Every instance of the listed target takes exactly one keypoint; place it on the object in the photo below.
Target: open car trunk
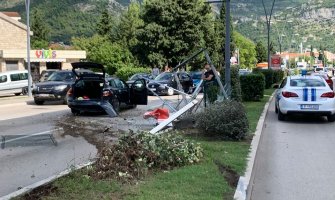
(88, 89)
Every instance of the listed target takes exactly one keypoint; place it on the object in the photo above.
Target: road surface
(295, 159)
(29, 160)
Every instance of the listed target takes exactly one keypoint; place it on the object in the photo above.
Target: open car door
(138, 92)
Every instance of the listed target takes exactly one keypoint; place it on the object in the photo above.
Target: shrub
(278, 76)
(268, 73)
(235, 83)
(135, 154)
(126, 72)
(212, 92)
(252, 86)
(226, 119)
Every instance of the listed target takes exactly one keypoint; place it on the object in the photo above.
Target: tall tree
(221, 31)
(247, 51)
(40, 30)
(261, 55)
(173, 30)
(104, 26)
(129, 25)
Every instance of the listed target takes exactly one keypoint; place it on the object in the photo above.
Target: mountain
(310, 22)
(294, 22)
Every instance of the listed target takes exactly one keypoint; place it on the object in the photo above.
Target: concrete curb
(43, 182)
(244, 181)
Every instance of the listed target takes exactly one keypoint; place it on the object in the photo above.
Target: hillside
(308, 21)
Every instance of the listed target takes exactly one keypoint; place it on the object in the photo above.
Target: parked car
(55, 87)
(319, 69)
(46, 73)
(14, 82)
(305, 95)
(158, 85)
(134, 77)
(96, 93)
(243, 72)
(326, 77)
(196, 77)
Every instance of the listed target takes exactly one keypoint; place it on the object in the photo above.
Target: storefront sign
(275, 62)
(45, 54)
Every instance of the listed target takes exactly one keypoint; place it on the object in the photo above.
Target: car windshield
(138, 76)
(61, 76)
(307, 83)
(164, 76)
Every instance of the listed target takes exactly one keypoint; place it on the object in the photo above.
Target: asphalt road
(295, 159)
(31, 159)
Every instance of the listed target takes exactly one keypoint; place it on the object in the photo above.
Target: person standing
(155, 72)
(208, 77)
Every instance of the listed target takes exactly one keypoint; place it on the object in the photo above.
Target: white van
(13, 82)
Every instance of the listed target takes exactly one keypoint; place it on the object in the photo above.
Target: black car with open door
(95, 93)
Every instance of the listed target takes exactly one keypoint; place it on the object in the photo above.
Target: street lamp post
(268, 26)
(28, 48)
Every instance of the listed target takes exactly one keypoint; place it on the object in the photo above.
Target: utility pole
(268, 26)
(227, 44)
(28, 48)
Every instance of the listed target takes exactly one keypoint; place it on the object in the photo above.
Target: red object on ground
(160, 114)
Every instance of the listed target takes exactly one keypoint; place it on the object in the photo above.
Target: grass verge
(213, 178)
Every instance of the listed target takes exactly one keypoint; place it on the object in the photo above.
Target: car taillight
(70, 92)
(107, 93)
(289, 94)
(328, 95)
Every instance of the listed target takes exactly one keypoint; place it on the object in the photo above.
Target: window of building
(12, 65)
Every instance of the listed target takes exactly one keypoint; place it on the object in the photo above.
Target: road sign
(275, 62)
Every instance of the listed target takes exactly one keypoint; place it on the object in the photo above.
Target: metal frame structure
(192, 102)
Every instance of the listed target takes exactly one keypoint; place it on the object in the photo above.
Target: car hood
(159, 82)
(52, 83)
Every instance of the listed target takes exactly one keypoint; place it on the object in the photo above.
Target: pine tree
(173, 30)
(104, 26)
(261, 55)
(40, 30)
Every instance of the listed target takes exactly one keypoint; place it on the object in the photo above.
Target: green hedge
(125, 72)
(268, 74)
(278, 76)
(235, 83)
(252, 86)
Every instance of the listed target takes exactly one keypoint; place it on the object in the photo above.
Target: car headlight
(60, 87)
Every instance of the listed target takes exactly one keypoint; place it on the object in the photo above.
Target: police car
(305, 95)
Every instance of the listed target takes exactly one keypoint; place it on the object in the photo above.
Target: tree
(128, 28)
(99, 49)
(104, 26)
(272, 48)
(40, 30)
(173, 30)
(247, 51)
(261, 55)
(221, 31)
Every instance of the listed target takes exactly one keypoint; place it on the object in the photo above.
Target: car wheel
(331, 118)
(38, 102)
(170, 92)
(276, 109)
(75, 112)
(17, 94)
(116, 105)
(25, 90)
(281, 116)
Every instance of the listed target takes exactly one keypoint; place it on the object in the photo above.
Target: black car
(134, 77)
(46, 73)
(95, 93)
(158, 85)
(54, 88)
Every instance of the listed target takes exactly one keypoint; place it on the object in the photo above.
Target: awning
(46, 60)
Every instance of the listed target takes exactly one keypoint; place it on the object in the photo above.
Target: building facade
(13, 49)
